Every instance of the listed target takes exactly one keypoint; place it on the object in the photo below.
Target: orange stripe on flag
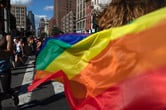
(124, 58)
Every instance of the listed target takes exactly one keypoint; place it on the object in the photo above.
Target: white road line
(26, 97)
(28, 77)
(58, 87)
(22, 69)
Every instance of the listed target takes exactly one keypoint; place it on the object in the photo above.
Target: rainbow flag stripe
(118, 68)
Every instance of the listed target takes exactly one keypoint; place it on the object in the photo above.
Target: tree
(55, 31)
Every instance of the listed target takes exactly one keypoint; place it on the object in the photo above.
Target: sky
(42, 8)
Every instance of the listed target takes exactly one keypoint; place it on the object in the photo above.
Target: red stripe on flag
(144, 92)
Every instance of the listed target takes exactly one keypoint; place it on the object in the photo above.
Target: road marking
(28, 77)
(58, 87)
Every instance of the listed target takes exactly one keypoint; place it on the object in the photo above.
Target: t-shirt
(18, 47)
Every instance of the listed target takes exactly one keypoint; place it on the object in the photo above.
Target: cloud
(47, 8)
(25, 2)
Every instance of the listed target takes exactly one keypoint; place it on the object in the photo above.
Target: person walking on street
(5, 72)
(19, 52)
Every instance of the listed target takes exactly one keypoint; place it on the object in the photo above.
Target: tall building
(41, 26)
(80, 15)
(93, 7)
(51, 25)
(19, 11)
(68, 23)
(89, 9)
(46, 26)
(32, 21)
(61, 8)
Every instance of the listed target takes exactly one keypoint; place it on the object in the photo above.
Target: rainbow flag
(121, 68)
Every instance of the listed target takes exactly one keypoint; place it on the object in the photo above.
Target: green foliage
(55, 31)
(43, 35)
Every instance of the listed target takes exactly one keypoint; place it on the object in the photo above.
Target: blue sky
(40, 8)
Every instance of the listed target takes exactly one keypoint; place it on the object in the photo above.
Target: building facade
(19, 11)
(68, 23)
(51, 25)
(89, 8)
(46, 26)
(41, 28)
(80, 16)
(86, 12)
(93, 7)
(61, 8)
(32, 21)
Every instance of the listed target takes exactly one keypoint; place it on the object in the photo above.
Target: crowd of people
(14, 50)
(13, 53)
(23, 47)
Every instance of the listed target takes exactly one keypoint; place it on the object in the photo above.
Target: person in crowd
(5, 72)
(38, 46)
(12, 58)
(121, 12)
(32, 44)
(19, 52)
(26, 47)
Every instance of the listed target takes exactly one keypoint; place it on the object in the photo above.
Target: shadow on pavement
(45, 102)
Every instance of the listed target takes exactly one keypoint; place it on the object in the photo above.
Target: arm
(7, 50)
(9, 43)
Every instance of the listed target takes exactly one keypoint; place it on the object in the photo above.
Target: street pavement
(49, 96)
